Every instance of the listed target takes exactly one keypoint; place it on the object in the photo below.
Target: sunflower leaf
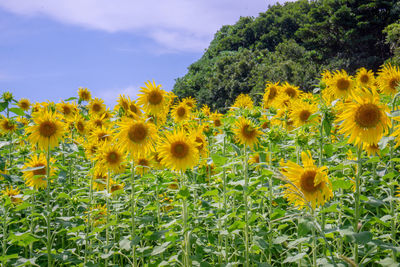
(17, 111)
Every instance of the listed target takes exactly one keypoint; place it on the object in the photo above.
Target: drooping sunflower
(24, 104)
(80, 124)
(246, 132)
(178, 150)
(7, 125)
(243, 101)
(136, 137)
(201, 141)
(153, 99)
(365, 78)
(47, 131)
(271, 93)
(37, 178)
(301, 112)
(372, 149)
(67, 109)
(364, 119)
(190, 102)
(123, 103)
(307, 184)
(84, 94)
(340, 85)
(99, 214)
(110, 158)
(389, 79)
(181, 112)
(96, 106)
(13, 194)
(100, 179)
(143, 165)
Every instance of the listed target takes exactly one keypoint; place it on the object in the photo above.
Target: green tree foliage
(293, 42)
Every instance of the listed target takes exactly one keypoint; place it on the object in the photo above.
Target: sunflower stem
(88, 225)
(270, 195)
(133, 223)
(4, 243)
(48, 214)
(314, 241)
(186, 244)
(107, 216)
(224, 193)
(357, 200)
(245, 198)
(392, 188)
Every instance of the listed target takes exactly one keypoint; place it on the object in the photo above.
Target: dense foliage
(292, 42)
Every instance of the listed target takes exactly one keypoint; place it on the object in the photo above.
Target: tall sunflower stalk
(133, 208)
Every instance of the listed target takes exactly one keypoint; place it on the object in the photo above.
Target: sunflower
(307, 184)
(98, 121)
(136, 136)
(80, 124)
(91, 149)
(99, 214)
(389, 79)
(134, 108)
(47, 129)
(206, 110)
(365, 78)
(101, 135)
(301, 112)
(36, 178)
(24, 121)
(201, 141)
(340, 85)
(180, 112)
(67, 109)
(111, 158)
(216, 118)
(364, 119)
(96, 106)
(372, 149)
(13, 194)
(100, 179)
(84, 94)
(271, 93)
(265, 123)
(178, 151)
(7, 125)
(7, 96)
(190, 102)
(153, 99)
(246, 132)
(243, 101)
(143, 165)
(290, 90)
(123, 103)
(24, 104)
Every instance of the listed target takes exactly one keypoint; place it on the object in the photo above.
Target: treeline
(293, 42)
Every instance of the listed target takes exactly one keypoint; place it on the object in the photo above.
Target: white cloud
(184, 25)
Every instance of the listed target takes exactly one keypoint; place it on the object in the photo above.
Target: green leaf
(218, 159)
(236, 225)
(295, 258)
(22, 239)
(184, 192)
(71, 98)
(388, 262)
(280, 239)
(3, 106)
(160, 249)
(18, 111)
(33, 168)
(125, 244)
(211, 193)
(360, 238)
(327, 127)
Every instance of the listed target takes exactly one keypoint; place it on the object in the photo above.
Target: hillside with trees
(293, 42)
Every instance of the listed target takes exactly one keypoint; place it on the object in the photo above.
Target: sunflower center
(155, 98)
(307, 182)
(133, 108)
(96, 107)
(98, 122)
(200, 143)
(112, 157)
(181, 111)
(143, 162)
(103, 136)
(124, 104)
(179, 149)
(47, 128)
(265, 125)
(8, 125)
(41, 171)
(217, 122)
(304, 115)
(290, 92)
(80, 126)
(137, 133)
(368, 115)
(393, 83)
(248, 131)
(157, 158)
(272, 93)
(85, 95)
(24, 105)
(343, 84)
(364, 78)
(66, 110)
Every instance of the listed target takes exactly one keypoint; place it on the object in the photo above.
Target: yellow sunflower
(216, 118)
(189, 101)
(96, 106)
(143, 165)
(136, 136)
(290, 90)
(84, 94)
(246, 132)
(47, 129)
(7, 125)
(80, 124)
(13, 194)
(243, 101)
(307, 184)
(178, 151)
(36, 178)
(364, 119)
(372, 149)
(365, 78)
(100, 179)
(24, 121)
(98, 121)
(91, 149)
(153, 99)
(24, 104)
(271, 93)
(101, 135)
(201, 141)
(67, 109)
(206, 110)
(181, 112)
(99, 214)
(389, 79)
(301, 112)
(340, 85)
(111, 158)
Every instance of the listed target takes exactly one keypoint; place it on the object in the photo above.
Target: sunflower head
(153, 99)
(389, 79)
(7, 96)
(7, 125)
(190, 102)
(84, 94)
(111, 158)
(365, 78)
(24, 104)
(143, 165)
(97, 106)
(301, 112)
(340, 85)
(272, 91)
(13, 194)
(181, 112)
(246, 132)
(243, 101)
(35, 175)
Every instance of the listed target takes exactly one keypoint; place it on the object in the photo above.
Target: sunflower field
(300, 179)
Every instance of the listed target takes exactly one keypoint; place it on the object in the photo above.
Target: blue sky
(50, 48)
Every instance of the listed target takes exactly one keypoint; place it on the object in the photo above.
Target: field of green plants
(300, 179)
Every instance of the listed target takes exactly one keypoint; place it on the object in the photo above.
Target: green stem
(225, 199)
(357, 200)
(245, 199)
(133, 223)
(107, 215)
(88, 225)
(270, 196)
(4, 261)
(314, 242)
(48, 214)
(186, 242)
